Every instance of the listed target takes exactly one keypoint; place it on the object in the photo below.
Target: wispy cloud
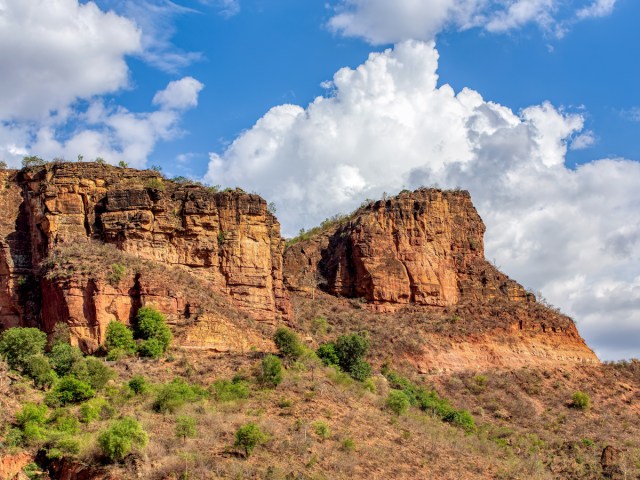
(384, 21)
(226, 8)
(156, 19)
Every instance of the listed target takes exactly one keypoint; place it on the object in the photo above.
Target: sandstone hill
(74, 238)
(496, 371)
(85, 243)
(418, 260)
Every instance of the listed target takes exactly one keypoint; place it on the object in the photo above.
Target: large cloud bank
(384, 21)
(573, 234)
(60, 58)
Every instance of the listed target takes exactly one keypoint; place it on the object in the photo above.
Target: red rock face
(228, 239)
(423, 248)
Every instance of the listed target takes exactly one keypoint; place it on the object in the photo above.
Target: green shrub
(32, 161)
(581, 400)
(89, 413)
(155, 184)
(151, 348)
(69, 390)
(348, 445)
(462, 419)
(14, 437)
(95, 409)
(30, 420)
(138, 384)
(118, 272)
(270, 372)
(151, 324)
(429, 401)
(33, 433)
(64, 357)
(93, 372)
(229, 391)
(288, 343)
(398, 402)
(116, 354)
(120, 438)
(18, 345)
(185, 427)
(32, 470)
(119, 336)
(248, 437)
(347, 353)
(172, 396)
(327, 353)
(39, 370)
(322, 430)
(320, 325)
(31, 413)
(350, 350)
(63, 422)
(360, 371)
(59, 445)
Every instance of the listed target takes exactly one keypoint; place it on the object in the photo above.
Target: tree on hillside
(18, 345)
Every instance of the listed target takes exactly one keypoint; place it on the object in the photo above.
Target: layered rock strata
(227, 239)
(425, 249)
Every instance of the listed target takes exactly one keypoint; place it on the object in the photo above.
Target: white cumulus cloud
(60, 58)
(574, 234)
(383, 21)
(54, 52)
(179, 94)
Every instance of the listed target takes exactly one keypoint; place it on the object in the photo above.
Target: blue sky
(532, 105)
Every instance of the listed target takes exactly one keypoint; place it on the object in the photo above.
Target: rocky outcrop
(11, 465)
(228, 240)
(425, 250)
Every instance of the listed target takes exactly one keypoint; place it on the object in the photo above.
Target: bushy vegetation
(138, 384)
(322, 430)
(429, 401)
(288, 344)
(69, 390)
(230, 390)
(119, 339)
(348, 354)
(185, 427)
(152, 328)
(270, 372)
(248, 437)
(18, 345)
(325, 225)
(398, 402)
(173, 395)
(39, 369)
(64, 357)
(117, 441)
(581, 400)
(93, 372)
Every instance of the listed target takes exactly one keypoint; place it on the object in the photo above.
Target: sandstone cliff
(423, 252)
(87, 243)
(229, 240)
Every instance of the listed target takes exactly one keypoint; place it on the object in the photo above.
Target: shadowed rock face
(229, 240)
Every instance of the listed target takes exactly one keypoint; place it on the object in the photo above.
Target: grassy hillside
(319, 423)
